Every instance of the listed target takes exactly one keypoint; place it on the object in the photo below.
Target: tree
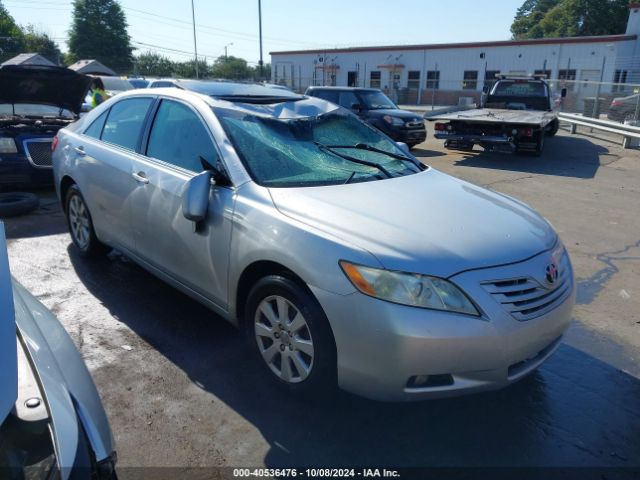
(11, 37)
(40, 42)
(232, 68)
(569, 18)
(99, 31)
(153, 65)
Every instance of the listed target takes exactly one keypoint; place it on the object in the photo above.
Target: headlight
(393, 120)
(8, 145)
(409, 289)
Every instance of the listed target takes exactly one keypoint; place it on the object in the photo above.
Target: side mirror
(485, 89)
(356, 107)
(195, 197)
(404, 147)
(563, 92)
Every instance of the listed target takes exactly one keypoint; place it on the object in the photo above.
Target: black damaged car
(35, 102)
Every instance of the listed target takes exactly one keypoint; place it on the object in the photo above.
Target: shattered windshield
(312, 151)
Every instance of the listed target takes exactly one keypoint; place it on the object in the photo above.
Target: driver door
(164, 238)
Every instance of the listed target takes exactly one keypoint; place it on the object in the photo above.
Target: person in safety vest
(98, 94)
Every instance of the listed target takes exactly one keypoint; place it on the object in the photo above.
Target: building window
(569, 77)
(413, 79)
(470, 81)
(620, 77)
(490, 78)
(433, 79)
(374, 79)
(546, 73)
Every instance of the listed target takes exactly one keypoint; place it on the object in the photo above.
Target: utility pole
(260, 63)
(225, 50)
(195, 43)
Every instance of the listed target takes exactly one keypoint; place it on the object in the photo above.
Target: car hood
(8, 351)
(427, 223)
(395, 112)
(39, 84)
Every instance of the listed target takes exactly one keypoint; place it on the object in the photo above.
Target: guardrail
(628, 132)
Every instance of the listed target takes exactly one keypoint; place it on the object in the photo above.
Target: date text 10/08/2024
(315, 473)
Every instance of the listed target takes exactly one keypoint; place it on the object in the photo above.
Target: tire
(80, 225)
(17, 203)
(539, 144)
(554, 127)
(308, 350)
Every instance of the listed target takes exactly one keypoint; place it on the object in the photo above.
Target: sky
(165, 26)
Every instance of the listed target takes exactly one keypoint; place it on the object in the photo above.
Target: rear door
(167, 241)
(106, 154)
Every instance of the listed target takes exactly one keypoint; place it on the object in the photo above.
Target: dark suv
(375, 108)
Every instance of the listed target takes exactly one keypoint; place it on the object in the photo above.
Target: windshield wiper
(369, 148)
(349, 158)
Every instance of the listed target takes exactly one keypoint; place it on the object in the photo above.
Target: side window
(179, 137)
(347, 99)
(125, 120)
(95, 129)
(328, 95)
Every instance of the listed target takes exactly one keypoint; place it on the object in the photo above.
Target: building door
(587, 86)
(352, 79)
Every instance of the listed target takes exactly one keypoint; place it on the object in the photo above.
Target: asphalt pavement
(180, 389)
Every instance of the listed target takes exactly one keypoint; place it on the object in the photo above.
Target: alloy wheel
(79, 221)
(284, 339)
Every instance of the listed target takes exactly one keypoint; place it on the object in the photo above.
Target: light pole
(225, 50)
(195, 44)
(260, 63)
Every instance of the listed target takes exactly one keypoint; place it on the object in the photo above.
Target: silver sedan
(346, 260)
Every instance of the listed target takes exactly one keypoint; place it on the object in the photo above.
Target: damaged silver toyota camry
(52, 423)
(345, 259)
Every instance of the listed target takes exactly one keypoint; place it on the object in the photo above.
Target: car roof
(249, 98)
(351, 89)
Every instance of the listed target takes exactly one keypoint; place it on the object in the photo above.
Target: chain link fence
(619, 102)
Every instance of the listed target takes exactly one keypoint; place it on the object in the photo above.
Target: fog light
(428, 381)
(420, 380)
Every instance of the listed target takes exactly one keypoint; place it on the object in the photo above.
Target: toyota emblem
(551, 273)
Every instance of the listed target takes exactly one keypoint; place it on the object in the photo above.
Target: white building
(441, 73)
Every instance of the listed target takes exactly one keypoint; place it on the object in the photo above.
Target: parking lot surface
(181, 390)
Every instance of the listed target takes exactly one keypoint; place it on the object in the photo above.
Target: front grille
(39, 152)
(414, 124)
(526, 298)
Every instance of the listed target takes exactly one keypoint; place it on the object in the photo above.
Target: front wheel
(81, 226)
(291, 335)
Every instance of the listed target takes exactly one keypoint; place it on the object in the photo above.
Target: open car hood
(43, 85)
(8, 339)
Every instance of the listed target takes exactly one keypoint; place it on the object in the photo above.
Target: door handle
(140, 177)
(80, 151)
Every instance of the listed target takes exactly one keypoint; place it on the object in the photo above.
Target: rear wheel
(81, 226)
(291, 335)
(539, 144)
(553, 128)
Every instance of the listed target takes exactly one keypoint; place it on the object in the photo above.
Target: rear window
(520, 89)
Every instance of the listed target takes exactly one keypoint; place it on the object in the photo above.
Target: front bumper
(383, 346)
(17, 172)
(410, 136)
